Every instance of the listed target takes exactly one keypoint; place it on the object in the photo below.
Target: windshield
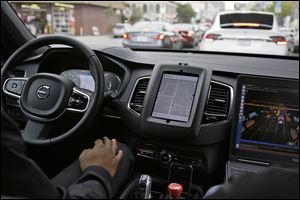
(250, 27)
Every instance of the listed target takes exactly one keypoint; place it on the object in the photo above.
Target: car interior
(189, 117)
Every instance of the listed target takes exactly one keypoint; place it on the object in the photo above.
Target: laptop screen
(267, 119)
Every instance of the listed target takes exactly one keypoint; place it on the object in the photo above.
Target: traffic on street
(270, 28)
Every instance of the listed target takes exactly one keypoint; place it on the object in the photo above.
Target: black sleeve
(20, 176)
(95, 183)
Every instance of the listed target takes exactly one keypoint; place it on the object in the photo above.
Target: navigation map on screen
(175, 97)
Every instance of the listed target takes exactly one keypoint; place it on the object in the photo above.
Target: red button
(175, 190)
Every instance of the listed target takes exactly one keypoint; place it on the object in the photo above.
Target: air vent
(138, 95)
(18, 73)
(217, 107)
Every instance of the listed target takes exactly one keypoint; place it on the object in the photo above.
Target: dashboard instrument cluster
(84, 80)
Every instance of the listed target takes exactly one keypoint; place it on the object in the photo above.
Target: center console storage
(166, 166)
(159, 190)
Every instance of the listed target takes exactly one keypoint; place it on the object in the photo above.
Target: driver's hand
(104, 154)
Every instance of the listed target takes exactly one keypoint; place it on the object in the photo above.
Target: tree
(111, 16)
(286, 9)
(109, 11)
(136, 15)
(185, 13)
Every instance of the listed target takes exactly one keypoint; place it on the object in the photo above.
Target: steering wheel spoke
(35, 130)
(79, 101)
(13, 87)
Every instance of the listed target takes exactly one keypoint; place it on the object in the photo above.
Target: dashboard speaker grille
(138, 95)
(217, 107)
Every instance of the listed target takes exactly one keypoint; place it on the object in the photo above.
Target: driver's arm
(99, 165)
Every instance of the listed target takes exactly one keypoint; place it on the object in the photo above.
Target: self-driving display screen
(268, 119)
(175, 97)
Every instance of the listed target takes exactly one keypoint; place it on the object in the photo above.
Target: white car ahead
(245, 32)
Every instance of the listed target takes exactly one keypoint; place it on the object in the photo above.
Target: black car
(191, 34)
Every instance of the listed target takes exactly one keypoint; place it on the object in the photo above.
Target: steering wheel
(45, 97)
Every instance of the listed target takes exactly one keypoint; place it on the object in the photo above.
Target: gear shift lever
(145, 183)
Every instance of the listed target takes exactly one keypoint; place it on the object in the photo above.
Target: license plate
(141, 39)
(244, 42)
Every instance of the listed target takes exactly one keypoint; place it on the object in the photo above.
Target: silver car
(150, 34)
(290, 35)
(120, 29)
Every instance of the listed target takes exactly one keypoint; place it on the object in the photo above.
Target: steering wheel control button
(78, 102)
(43, 92)
(14, 86)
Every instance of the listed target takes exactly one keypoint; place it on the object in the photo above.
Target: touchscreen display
(175, 97)
(268, 119)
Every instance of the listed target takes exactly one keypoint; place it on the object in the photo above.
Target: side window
(169, 27)
(157, 8)
(195, 28)
(166, 27)
(145, 8)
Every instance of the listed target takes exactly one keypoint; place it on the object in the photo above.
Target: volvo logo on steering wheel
(43, 92)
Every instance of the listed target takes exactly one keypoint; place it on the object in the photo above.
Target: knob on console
(165, 157)
(175, 190)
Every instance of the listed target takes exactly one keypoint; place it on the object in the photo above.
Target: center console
(265, 131)
(165, 157)
(172, 110)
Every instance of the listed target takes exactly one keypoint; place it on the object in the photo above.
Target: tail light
(126, 36)
(159, 37)
(246, 24)
(211, 37)
(279, 40)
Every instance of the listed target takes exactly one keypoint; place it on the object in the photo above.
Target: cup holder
(159, 190)
(156, 195)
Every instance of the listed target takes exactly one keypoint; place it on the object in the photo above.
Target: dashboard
(84, 80)
(186, 107)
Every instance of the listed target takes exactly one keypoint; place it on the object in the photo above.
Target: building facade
(164, 11)
(73, 18)
(207, 10)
